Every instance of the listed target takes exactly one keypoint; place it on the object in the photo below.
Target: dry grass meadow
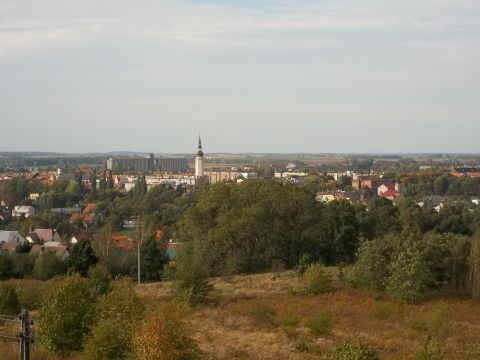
(261, 317)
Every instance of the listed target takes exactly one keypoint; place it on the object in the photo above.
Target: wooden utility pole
(25, 336)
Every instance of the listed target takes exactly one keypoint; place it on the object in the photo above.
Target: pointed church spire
(199, 150)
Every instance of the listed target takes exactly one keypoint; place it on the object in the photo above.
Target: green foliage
(429, 321)
(6, 266)
(471, 352)
(315, 281)
(117, 314)
(304, 262)
(100, 279)
(383, 311)
(354, 351)
(165, 335)
(431, 350)
(320, 324)
(290, 319)
(410, 274)
(47, 265)
(153, 259)
(66, 315)
(249, 227)
(9, 304)
(191, 283)
(372, 267)
(31, 293)
(81, 258)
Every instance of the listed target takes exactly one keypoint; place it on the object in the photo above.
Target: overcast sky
(251, 76)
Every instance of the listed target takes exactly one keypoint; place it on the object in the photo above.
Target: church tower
(199, 160)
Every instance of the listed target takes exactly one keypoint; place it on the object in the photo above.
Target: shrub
(303, 345)
(9, 304)
(430, 321)
(66, 315)
(383, 311)
(372, 267)
(410, 274)
(320, 324)
(430, 350)
(349, 351)
(31, 293)
(262, 313)
(46, 266)
(6, 266)
(290, 319)
(315, 280)
(471, 352)
(117, 314)
(303, 264)
(165, 335)
(100, 279)
(191, 283)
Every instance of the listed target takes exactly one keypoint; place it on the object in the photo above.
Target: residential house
(23, 211)
(390, 195)
(87, 217)
(42, 236)
(75, 238)
(122, 242)
(13, 237)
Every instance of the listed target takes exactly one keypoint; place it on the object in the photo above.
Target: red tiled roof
(88, 209)
(44, 235)
(75, 217)
(390, 193)
(122, 242)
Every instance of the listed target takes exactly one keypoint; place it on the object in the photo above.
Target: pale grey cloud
(264, 76)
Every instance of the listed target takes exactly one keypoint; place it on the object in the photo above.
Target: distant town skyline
(252, 76)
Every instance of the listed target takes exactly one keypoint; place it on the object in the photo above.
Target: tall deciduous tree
(66, 315)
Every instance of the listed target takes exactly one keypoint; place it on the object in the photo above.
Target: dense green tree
(66, 315)
(153, 258)
(372, 268)
(117, 314)
(81, 258)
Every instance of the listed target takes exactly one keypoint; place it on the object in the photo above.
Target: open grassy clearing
(260, 317)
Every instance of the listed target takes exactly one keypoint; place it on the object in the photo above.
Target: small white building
(23, 211)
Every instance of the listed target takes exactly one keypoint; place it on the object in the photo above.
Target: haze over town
(252, 76)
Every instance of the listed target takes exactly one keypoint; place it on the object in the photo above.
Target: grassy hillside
(262, 317)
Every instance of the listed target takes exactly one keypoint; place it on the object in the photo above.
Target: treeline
(443, 184)
(252, 226)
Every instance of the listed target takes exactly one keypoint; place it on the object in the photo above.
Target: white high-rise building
(199, 160)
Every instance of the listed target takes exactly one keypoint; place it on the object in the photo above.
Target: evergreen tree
(93, 180)
(82, 257)
(109, 181)
(153, 258)
(103, 183)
